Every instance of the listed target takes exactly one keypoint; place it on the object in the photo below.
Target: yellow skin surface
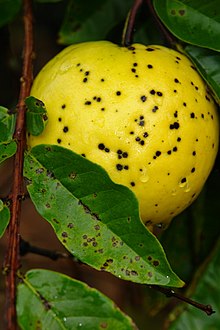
(143, 113)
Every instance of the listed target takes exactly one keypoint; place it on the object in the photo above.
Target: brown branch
(11, 264)
(130, 22)
(171, 293)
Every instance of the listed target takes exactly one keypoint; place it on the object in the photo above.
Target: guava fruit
(141, 112)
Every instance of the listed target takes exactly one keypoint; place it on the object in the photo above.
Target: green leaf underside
(7, 150)
(4, 217)
(205, 290)
(208, 64)
(49, 300)
(84, 22)
(193, 21)
(8, 9)
(36, 115)
(97, 220)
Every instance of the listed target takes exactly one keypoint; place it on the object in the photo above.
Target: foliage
(98, 221)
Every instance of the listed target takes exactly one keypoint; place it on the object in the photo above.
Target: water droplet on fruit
(173, 192)
(144, 178)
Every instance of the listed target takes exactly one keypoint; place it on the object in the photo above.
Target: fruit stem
(127, 37)
(171, 40)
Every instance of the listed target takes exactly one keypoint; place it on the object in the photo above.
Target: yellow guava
(143, 113)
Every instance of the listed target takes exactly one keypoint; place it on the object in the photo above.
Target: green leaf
(4, 217)
(48, 300)
(7, 124)
(84, 22)
(96, 219)
(8, 9)
(207, 63)
(205, 290)
(7, 150)
(36, 116)
(193, 21)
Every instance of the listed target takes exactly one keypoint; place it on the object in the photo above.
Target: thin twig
(26, 247)
(130, 22)
(171, 293)
(11, 264)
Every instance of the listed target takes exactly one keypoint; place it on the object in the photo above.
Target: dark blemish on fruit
(196, 87)
(145, 134)
(142, 142)
(63, 106)
(59, 141)
(178, 139)
(197, 140)
(59, 119)
(83, 155)
(207, 98)
(101, 146)
(107, 150)
(158, 153)
(175, 91)
(155, 108)
(78, 64)
(118, 93)
(125, 155)
(88, 102)
(183, 180)
(132, 183)
(176, 81)
(102, 80)
(212, 117)
(159, 93)
(131, 133)
(119, 167)
(175, 114)
(149, 49)
(102, 109)
(178, 58)
(175, 149)
(193, 67)
(192, 115)
(169, 152)
(64, 234)
(194, 153)
(193, 170)
(94, 98)
(175, 125)
(65, 129)
(98, 99)
(143, 98)
(152, 92)
(70, 225)
(126, 167)
(136, 76)
(168, 173)
(86, 73)
(85, 80)
(150, 66)
(184, 104)
(133, 70)
(131, 48)
(135, 64)
(137, 139)
(193, 195)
